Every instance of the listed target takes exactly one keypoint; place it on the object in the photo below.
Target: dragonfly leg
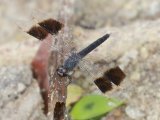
(69, 80)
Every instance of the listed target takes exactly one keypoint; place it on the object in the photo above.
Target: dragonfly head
(61, 71)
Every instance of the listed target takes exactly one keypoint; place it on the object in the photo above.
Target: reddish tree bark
(40, 69)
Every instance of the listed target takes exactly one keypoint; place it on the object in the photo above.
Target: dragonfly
(105, 82)
(64, 69)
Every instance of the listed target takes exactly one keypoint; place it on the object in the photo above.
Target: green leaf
(91, 106)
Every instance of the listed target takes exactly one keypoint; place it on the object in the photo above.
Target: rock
(15, 53)
(94, 14)
(20, 94)
(134, 113)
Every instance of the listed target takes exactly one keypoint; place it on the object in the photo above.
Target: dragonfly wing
(103, 79)
(39, 27)
(88, 66)
(103, 84)
(112, 76)
(38, 32)
(51, 25)
(115, 75)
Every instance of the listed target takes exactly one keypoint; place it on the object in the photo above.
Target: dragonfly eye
(61, 71)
